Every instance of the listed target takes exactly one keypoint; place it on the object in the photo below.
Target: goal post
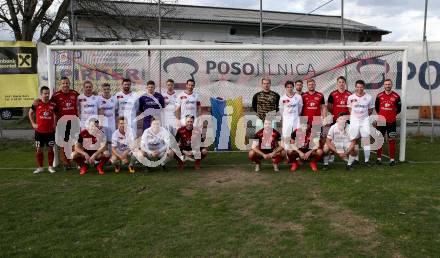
(229, 71)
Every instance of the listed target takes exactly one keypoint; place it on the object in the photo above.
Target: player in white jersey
(290, 107)
(338, 141)
(188, 103)
(127, 105)
(155, 143)
(107, 108)
(361, 105)
(87, 104)
(169, 117)
(121, 152)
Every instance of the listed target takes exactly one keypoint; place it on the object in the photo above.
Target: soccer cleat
(257, 168)
(38, 170)
(392, 163)
(276, 168)
(295, 166)
(83, 169)
(331, 158)
(180, 165)
(100, 170)
(314, 166)
(367, 164)
(349, 167)
(51, 170)
(164, 168)
(117, 168)
(378, 162)
(67, 167)
(197, 164)
(325, 168)
(131, 169)
(355, 162)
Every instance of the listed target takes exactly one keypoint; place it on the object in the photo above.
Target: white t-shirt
(360, 106)
(88, 107)
(291, 107)
(188, 104)
(108, 107)
(339, 136)
(127, 105)
(170, 104)
(120, 141)
(155, 141)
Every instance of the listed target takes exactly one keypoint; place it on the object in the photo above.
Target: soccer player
(290, 108)
(266, 100)
(44, 125)
(87, 104)
(267, 147)
(360, 105)
(188, 103)
(127, 106)
(388, 105)
(185, 136)
(314, 103)
(121, 152)
(299, 87)
(91, 146)
(300, 147)
(170, 98)
(107, 108)
(337, 100)
(66, 101)
(150, 104)
(338, 141)
(155, 143)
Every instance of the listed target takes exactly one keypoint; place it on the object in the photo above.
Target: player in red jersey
(388, 105)
(91, 146)
(313, 102)
(305, 145)
(65, 100)
(185, 137)
(268, 146)
(337, 100)
(44, 125)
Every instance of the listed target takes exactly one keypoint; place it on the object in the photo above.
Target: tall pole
(160, 43)
(425, 41)
(261, 34)
(342, 23)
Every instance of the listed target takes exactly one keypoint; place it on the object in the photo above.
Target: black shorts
(44, 139)
(390, 129)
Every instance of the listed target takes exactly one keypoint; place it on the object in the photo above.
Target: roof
(224, 15)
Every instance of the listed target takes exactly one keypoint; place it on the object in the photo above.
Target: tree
(44, 20)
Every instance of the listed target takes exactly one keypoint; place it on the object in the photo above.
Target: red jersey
(45, 114)
(339, 103)
(388, 105)
(184, 136)
(312, 105)
(66, 102)
(267, 141)
(89, 145)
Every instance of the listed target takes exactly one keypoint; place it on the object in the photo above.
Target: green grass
(224, 210)
(16, 123)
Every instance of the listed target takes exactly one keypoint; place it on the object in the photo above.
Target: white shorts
(289, 125)
(342, 146)
(359, 129)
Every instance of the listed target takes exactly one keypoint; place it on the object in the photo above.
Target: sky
(403, 17)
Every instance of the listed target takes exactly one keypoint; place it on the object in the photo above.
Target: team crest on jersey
(46, 114)
(316, 98)
(68, 104)
(182, 97)
(392, 99)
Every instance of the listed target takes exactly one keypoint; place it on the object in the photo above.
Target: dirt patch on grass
(187, 192)
(232, 178)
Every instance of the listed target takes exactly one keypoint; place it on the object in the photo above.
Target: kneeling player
(121, 152)
(300, 147)
(185, 136)
(267, 147)
(91, 147)
(338, 141)
(155, 143)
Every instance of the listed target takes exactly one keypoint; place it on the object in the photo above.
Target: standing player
(267, 147)
(338, 141)
(299, 87)
(66, 101)
(314, 103)
(188, 103)
(155, 143)
(121, 152)
(87, 104)
(169, 117)
(337, 100)
(186, 137)
(266, 100)
(388, 105)
(91, 146)
(107, 108)
(290, 107)
(361, 105)
(44, 126)
(150, 104)
(127, 106)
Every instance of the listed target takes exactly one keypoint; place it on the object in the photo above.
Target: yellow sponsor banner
(18, 90)
(18, 73)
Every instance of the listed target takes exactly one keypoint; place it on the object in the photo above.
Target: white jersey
(88, 108)
(188, 104)
(127, 106)
(340, 137)
(155, 141)
(290, 110)
(359, 106)
(169, 117)
(120, 141)
(108, 107)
